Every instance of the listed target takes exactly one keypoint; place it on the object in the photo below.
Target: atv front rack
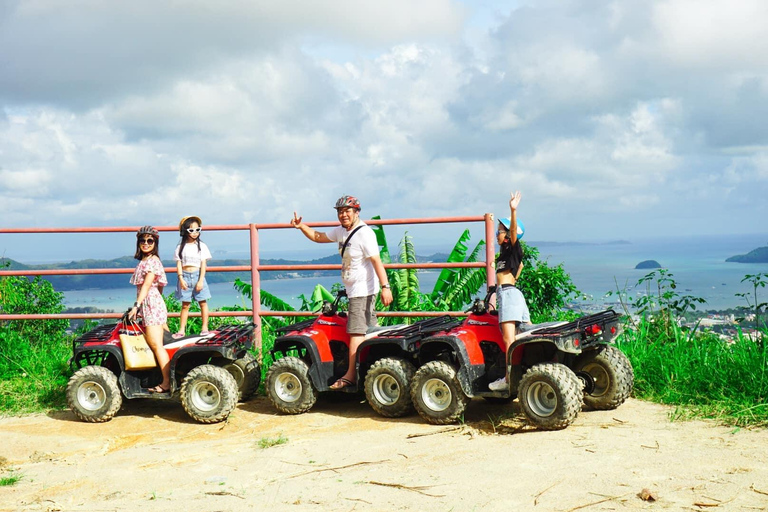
(298, 326)
(101, 334)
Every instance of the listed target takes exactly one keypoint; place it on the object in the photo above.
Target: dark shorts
(361, 315)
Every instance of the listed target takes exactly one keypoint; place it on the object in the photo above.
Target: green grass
(705, 376)
(10, 480)
(269, 442)
(33, 376)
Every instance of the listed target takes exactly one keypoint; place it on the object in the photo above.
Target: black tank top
(510, 257)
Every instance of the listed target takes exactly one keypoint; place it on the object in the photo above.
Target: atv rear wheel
(611, 373)
(550, 395)
(387, 385)
(93, 394)
(247, 374)
(437, 394)
(209, 393)
(289, 387)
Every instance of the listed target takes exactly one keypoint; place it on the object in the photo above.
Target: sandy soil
(342, 457)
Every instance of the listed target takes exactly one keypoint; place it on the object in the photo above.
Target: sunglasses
(498, 232)
(147, 241)
(194, 230)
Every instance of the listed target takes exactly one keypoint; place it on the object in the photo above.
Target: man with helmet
(509, 300)
(361, 272)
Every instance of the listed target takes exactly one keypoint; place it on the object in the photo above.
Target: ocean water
(697, 264)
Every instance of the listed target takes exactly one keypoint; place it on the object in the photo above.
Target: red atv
(553, 367)
(314, 353)
(210, 372)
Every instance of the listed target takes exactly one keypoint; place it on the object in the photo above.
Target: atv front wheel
(289, 387)
(612, 376)
(387, 386)
(93, 394)
(209, 394)
(247, 374)
(550, 395)
(437, 394)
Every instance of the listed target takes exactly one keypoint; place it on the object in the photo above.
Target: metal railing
(255, 268)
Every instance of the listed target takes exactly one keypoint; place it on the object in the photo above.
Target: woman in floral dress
(149, 278)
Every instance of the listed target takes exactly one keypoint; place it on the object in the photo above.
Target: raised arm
(514, 201)
(312, 234)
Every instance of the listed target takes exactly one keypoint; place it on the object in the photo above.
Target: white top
(192, 256)
(357, 271)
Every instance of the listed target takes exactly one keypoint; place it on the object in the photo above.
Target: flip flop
(159, 389)
(205, 333)
(177, 335)
(341, 384)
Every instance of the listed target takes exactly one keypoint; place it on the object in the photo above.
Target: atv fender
(467, 372)
(319, 371)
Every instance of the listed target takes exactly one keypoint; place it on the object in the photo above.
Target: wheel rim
(205, 396)
(91, 396)
(600, 377)
(386, 390)
(288, 387)
(237, 373)
(436, 395)
(542, 399)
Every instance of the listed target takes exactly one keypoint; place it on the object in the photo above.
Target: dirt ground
(341, 456)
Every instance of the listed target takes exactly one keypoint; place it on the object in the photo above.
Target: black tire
(247, 374)
(436, 393)
(289, 387)
(93, 394)
(387, 387)
(550, 395)
(209, 394)
(612, 375)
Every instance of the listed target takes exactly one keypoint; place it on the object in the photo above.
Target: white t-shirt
(357, 271)
(192, 256)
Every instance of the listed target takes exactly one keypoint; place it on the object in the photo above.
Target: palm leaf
(447, 275)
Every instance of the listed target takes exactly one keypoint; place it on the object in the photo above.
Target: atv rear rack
(576, 326)
(421, 328)
(231, 334)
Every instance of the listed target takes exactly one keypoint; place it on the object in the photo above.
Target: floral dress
(153, 309)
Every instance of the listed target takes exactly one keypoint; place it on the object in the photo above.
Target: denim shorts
(190, 294)
(511, 305)
(361, 315)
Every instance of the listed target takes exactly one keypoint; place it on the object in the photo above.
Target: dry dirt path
(342, 457)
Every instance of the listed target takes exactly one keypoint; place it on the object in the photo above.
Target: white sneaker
(499, 385)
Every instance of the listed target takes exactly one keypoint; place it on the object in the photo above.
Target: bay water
(697, 264)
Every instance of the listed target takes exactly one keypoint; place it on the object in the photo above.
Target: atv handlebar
(330, 308)
(481, 306)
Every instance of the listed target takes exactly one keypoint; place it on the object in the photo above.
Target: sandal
(205, 333)
(341, 384)
(159, 389)
(177, 335)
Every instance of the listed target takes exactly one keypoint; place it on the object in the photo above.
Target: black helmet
(347, 202)
(148, 230)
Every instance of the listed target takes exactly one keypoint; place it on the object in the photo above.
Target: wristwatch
(385, 286)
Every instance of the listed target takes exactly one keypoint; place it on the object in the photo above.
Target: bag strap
(346, 242)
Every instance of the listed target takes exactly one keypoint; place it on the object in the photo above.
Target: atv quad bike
(554, 367)
(312, 354)
(209, 372)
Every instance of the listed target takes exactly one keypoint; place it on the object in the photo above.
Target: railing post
(255, 285)
(490, 250)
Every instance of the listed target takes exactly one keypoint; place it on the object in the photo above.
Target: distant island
(571, 244)
(759, 255)
(648, 264)
(113, 281)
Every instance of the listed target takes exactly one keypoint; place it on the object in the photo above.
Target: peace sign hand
(296, 220)
(514, 200)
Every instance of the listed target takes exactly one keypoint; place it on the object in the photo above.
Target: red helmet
(347, 202)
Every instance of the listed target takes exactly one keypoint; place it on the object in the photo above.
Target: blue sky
(617, 119)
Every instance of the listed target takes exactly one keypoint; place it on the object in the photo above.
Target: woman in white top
(191, 255)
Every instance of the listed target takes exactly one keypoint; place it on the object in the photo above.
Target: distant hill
(111, 281)
(648, 264)
(570, 244)
(759, 255)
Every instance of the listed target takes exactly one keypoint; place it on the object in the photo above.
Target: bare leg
(154, 337)
(508, 332)
(204, 314)
(183, 317)
(349, 378)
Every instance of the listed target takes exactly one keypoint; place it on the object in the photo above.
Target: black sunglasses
(147, 241)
